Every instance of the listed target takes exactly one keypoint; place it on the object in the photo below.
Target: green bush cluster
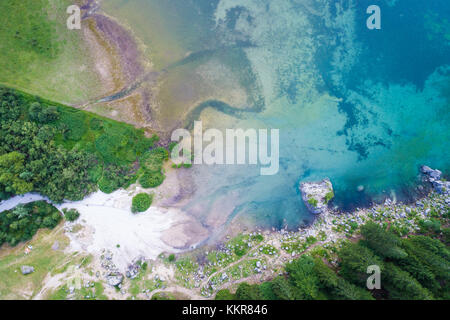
(151, 179)
(71, 214)
(141, 202)
(329, 196)
(151, 167)
(22, 222)
(42, 115)
(313, 202)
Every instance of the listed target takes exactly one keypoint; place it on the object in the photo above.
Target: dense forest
(22, 222)
(65, 153)
(416, 267)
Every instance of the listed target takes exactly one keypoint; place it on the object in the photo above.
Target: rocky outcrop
(26, 270)
(434, 177)
(317, 195)
(114, 279)
(431, 173)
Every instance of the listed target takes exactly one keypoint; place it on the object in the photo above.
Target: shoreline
(182, 232)
(325, 233)
(119, 243)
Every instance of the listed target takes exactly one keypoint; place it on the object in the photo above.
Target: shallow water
(362, 107)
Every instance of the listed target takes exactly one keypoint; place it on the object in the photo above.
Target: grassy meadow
(40, 55)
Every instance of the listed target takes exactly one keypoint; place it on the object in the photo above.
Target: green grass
(59, 294)
(313, 202)
(38, 53)
(43, 258)
(299, 246)
(186, 266)
(95, 293)
(269, 250)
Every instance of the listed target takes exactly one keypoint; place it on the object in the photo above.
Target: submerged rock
(316, 195)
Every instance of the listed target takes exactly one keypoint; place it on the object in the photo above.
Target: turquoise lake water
(362, 107)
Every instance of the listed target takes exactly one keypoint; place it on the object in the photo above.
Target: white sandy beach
(108, 223)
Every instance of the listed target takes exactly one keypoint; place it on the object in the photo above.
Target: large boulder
(431, 173)
(26, 270)
(433, 176)
(317, 195)
(441, 187)
(114, 279)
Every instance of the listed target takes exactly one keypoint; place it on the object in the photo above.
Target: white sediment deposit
(108, 224)
(316, 195)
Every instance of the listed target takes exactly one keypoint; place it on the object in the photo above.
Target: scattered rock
(108, 255)
(114, 279)
(134, 268)
(26, 270)
(55, 245)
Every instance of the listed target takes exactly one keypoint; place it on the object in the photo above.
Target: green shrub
(151, 179)
(141, 202)
(246, 291)
(446, 236)
(153, 160)
(115, 177)
(96, 124)
(432, 225)
(71, 214)
(73, 124)
(329, 196)
(313, 202)
(224, 294)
